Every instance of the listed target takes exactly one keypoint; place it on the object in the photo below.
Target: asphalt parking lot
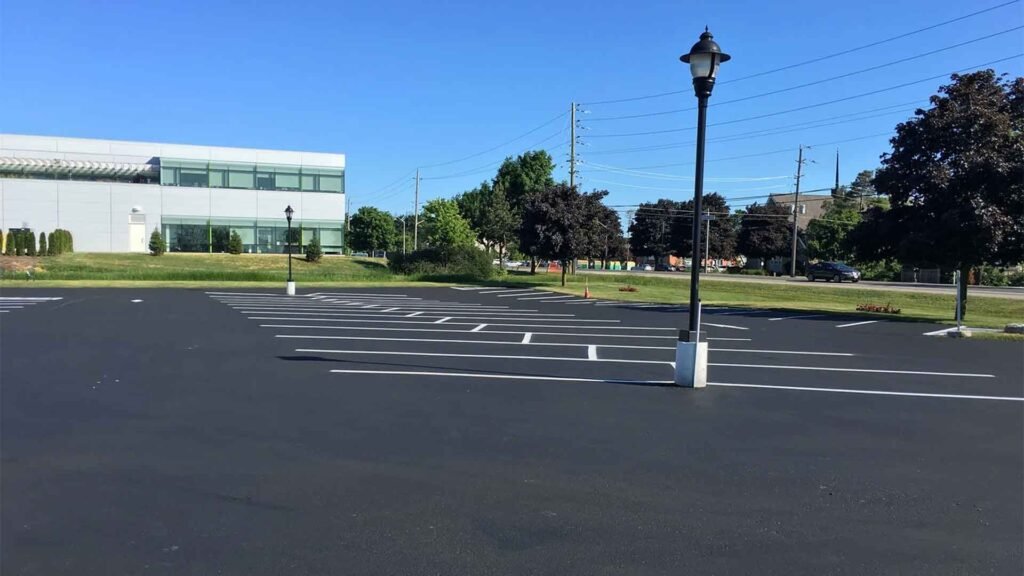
(479, 430)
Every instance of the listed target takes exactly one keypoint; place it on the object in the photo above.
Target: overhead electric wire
(499, 146)
(689, 128)
(676, 110)
(470, 171)
(813, 60)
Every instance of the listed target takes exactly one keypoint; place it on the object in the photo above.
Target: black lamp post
(703, 58)
(288, 239)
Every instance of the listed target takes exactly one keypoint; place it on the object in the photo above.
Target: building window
(239, 179)
(193, 177)
(168, 176)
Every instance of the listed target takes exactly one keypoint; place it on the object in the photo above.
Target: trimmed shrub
(19, 243)
(235, 245)
(71, 242)
(42, 243)
(313, 251)
(51, 247)
(9, 244)
(157, 245)
(465, 263)
(29, 238)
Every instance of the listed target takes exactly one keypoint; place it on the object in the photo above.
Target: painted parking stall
(516, 332)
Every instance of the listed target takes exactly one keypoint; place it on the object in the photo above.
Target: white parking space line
(592, 352)
(461, 313)
(389, 310)
(872, 392)
(492, 356)
(378, 328)
(507, 291)
(545, 298)
(871, 370)
(939, 332)
(10, 307)
(323, 316)
(580, 302)
(413, 314)
(729, 313)
(730, 326)
(856, 324)
(344, 294)
(518, 293)
(795, 317)
(477, 329)
(664, 383)
(528, 339)
(469, 287)
(442, 320)
(577, 326)
(499, 376)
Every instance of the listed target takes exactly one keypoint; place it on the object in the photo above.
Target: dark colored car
(665, 268)
(833, 271)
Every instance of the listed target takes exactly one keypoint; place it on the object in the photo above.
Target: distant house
(811, 206)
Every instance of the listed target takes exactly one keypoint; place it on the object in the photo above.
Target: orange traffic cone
(586, 289)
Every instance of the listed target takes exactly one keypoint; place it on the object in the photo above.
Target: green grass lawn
(982, 311)
(270, 270)
(176, 267)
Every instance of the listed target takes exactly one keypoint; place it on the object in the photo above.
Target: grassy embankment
(264, 270)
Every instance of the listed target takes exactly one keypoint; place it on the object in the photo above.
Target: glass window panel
(217, 177)
(239, 179)
(308, 182)
(193, 177)
(265, 180)
(286, 180)
(330, 237)
(248, 235)
(330, 183)
(168, 176)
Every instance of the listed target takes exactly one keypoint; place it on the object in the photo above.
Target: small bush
(883, 270)
(19, 244)
(42, 243)
(29, 238)
(313, 251)
(1015, 279)
(235, 245)
(628, 289)
(468, 263)
(887, 309)
(51, 247)
(992, 276)
(157, 244)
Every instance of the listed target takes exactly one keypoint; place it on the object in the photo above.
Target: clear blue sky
(396, 85)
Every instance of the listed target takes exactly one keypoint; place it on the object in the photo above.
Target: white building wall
(97, 213)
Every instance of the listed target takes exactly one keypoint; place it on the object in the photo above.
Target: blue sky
(397, 85)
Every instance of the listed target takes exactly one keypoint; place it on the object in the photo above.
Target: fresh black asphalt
(180, 435)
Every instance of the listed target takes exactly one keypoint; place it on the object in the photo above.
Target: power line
(880, 90)
(502, 145)
(814, 60)
(658, 176)
(478, 169)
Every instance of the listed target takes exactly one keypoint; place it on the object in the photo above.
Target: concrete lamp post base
(692, 364)
(290, 290)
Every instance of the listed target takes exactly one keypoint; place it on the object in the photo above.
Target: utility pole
(796, 209)
(572, 144)
(707, 240)
(345, 233)
(835, 190)
(416, 219)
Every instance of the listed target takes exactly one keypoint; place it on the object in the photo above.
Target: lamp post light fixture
(288, 212)
(692, 349)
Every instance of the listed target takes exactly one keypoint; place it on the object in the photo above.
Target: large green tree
(446, 229)
(559, 218)
(653, 231)
(371, 229)
(718, 237)
(955, 178)
(765, 231)
(827, 236)
(525, 175)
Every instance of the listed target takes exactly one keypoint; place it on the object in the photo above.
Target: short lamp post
(691, 347)
(288, 212)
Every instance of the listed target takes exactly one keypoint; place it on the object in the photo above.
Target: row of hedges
(467, 263)
(22, 242)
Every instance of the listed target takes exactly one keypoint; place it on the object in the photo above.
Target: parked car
(642, 268)
(832, 271)
(665, 268)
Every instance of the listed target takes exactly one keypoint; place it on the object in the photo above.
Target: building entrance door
(137, 233)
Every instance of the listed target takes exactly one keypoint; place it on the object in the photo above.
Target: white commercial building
(112, 194)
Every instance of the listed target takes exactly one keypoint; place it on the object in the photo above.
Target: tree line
(949, 194)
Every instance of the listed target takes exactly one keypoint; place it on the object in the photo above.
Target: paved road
(997, 292)
(489, 431)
